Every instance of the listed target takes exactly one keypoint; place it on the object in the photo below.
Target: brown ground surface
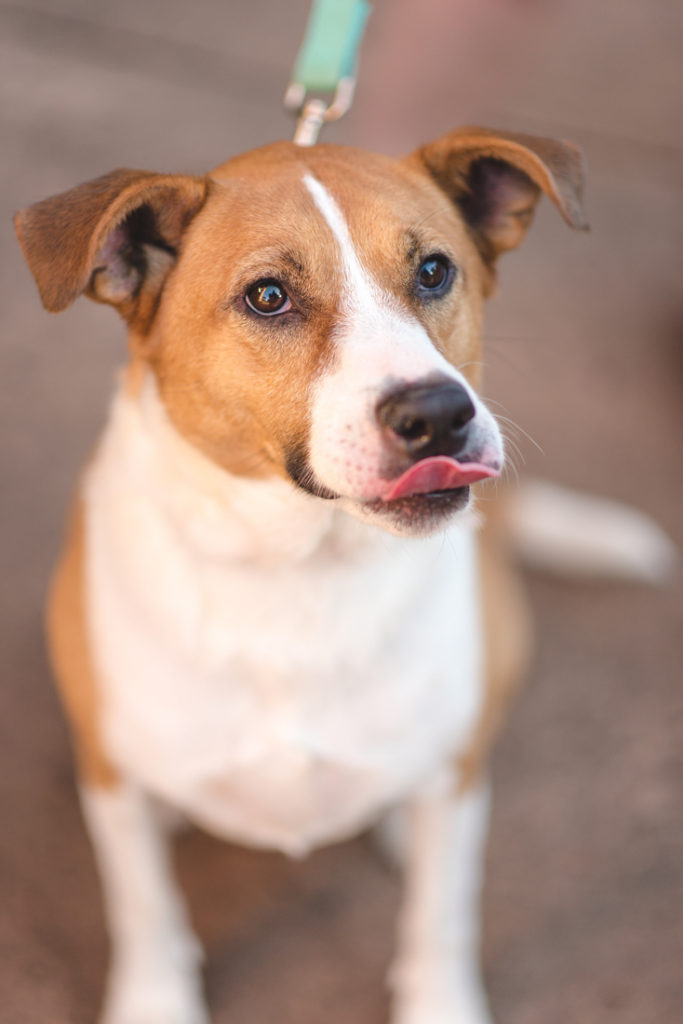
(583, 902)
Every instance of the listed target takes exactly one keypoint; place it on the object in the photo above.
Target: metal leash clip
(326, 66)
(313, 112)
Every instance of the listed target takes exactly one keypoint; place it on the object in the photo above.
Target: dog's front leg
(436, 977)
(154, 974)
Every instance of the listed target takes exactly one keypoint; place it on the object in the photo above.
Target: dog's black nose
(428, 419)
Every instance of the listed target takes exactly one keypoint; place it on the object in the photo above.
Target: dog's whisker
(513, 425)
(512, 443)
(510, 423)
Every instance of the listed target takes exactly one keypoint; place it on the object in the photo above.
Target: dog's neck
(218, 515)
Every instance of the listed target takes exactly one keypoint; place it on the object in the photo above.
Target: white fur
(378, 345)
(436, 972)
(280, 678)
(153, 975)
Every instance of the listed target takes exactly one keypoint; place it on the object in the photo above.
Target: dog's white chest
(281, 701)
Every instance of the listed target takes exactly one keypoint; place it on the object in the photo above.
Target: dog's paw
(154, 1007)
(448, 1005)
(159, 997)
(428, 1011)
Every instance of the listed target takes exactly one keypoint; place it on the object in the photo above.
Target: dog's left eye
(435, 274)
(267, 298)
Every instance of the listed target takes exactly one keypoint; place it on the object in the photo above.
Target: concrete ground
(582, 914)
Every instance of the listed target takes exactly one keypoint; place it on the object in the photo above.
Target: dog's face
(335, 306)
(315, 313)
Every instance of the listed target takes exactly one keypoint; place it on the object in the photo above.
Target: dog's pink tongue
(437, 473)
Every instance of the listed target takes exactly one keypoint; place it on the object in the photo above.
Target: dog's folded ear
(496, 178)
(114, 238)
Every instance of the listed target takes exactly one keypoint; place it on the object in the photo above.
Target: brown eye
(435, 274)
(267, 298)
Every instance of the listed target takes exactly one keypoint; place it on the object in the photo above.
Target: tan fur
(63, 236)
(67, 635)
(508, 639)
(555, 167)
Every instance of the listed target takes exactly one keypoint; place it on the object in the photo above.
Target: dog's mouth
(421, 512)
(431, 489)
(429, 492)
(437, 475)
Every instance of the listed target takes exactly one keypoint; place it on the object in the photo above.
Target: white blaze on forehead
(360, 291)
(335, 221)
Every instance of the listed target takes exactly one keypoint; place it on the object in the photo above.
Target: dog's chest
(279, 703)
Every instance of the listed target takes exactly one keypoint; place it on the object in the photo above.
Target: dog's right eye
(267, 298)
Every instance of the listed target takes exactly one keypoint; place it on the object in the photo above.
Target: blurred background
(585, 876)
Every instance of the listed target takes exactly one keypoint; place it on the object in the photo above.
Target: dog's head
(316, 313)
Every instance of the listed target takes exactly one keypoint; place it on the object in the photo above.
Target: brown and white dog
(268, 612)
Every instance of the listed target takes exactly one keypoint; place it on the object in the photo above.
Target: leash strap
(326, 63)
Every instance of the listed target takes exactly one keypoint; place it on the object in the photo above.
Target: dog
(275, 610)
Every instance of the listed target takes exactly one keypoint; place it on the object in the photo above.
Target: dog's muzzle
(431, 440)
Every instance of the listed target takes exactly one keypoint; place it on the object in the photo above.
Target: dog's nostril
(461, 420)
(414, 428)
(462, 412)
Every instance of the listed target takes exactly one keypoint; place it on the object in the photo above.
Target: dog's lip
(438, 473)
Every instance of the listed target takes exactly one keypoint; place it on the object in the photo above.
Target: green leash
(326, 63)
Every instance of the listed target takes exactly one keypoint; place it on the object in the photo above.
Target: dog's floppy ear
(496, 178)
(115, 238)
